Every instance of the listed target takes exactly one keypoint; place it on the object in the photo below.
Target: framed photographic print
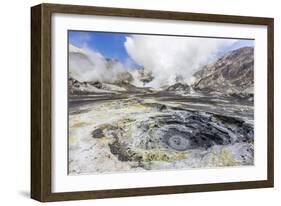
(130, 102)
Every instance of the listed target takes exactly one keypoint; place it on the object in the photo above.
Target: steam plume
(90, 66)
(171, 59)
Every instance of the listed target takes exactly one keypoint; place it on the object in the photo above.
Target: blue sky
(111, 45)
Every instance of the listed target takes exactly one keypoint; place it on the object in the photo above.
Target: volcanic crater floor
(139, 134)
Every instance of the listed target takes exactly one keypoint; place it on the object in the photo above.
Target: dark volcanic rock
(179, 88)
(122, 152)
(97, 133)
(97, 84)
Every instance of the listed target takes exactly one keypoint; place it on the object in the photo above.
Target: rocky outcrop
(84, 88)
(232, 73)
(179, 88)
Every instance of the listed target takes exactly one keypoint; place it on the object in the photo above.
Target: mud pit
(136, 134)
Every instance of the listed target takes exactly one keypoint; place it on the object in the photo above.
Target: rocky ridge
(232, 73)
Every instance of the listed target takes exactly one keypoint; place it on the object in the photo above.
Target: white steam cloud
(90, 66)
(171, 59)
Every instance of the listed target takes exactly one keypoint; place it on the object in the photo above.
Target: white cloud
(169, 58)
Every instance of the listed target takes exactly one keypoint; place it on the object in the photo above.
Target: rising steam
(172, 59)
(168, 59)
(86, 65)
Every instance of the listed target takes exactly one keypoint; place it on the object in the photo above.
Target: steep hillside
(232, 73)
